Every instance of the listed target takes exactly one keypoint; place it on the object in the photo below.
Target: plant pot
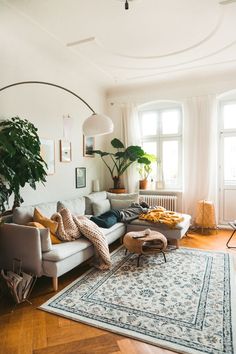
(143, 184)
(118, 190)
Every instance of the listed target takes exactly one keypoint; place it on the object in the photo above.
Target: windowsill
(156, 191)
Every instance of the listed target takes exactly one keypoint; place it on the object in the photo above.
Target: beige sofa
(33, 246)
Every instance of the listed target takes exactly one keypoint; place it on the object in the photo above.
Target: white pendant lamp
(97, 124)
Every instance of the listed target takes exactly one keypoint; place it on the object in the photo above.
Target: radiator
(169, 202)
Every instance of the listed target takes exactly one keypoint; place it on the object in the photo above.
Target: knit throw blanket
(161, 215)
(71, 227)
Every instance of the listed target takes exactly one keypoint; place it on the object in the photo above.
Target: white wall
(29, 53)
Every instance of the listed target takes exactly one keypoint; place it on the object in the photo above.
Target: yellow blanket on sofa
(161, 215)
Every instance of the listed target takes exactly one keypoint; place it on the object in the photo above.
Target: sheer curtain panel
(200, 152)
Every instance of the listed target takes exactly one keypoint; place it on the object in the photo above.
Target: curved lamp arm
(99, 126)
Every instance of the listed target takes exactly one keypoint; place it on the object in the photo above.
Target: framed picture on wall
(80, 177)
(65, 151)
(89, 142)
(47, 151)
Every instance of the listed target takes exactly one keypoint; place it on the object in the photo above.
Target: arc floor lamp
(95, 124)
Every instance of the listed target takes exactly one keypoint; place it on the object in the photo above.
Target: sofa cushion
(121, 203)
(47, 209)
(66, 249)
(24, 214)
(114, 232)
(76, 206)
(124, 196)
(92, 198)
(101, 206)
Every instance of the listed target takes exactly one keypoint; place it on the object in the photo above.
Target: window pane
(151, 148)
(149, 123)
(229, 116)
(170, 163)
(170, 121)
(229, 160)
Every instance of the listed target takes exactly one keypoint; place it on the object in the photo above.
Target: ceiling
(151, 40)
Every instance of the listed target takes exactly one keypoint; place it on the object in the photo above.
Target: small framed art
(47, 151)
(65, 151)
(89, 142)
(80, 177)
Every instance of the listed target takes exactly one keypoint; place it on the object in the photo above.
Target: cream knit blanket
(71, 227)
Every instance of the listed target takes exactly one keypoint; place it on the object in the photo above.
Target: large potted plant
(118, 162)
(20, 159)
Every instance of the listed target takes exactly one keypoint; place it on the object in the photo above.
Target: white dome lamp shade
(96, 124)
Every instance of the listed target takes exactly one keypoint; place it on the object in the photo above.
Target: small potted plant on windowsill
(145, 169)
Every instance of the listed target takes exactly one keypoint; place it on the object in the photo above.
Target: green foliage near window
(20, 159)
(118, 162)
(145, 169)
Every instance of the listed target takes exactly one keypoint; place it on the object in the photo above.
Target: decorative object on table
(19, 283)
(80, 177)
(118, 162)
(95, 185)
(88, 142)
(20, 159)
(65, 151)
(233, 225)
(186, 304)
(145, 242)
(47, 151)
(205, 216)
(96, 124)
(145, 170)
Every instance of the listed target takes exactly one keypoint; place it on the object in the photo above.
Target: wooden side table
(145, 242)
(233, 225)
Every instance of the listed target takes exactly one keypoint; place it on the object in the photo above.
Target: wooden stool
(145, 242)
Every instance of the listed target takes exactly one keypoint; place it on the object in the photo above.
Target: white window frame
(159, 138)
(223, 133)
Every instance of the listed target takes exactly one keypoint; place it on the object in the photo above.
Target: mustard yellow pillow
(43, 220)
(48, 223)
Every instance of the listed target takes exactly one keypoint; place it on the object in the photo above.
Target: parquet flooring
(28, 330)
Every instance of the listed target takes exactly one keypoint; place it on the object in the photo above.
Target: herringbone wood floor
(31, 331)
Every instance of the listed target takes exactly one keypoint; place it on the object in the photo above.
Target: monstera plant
(118, 162)
(20, 159)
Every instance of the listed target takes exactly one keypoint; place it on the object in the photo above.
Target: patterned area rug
(185, 304)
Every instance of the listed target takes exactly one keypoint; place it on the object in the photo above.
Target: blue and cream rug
(185, 304)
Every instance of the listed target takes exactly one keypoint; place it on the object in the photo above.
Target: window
(227, 160)
(161, 135)
(228, 132)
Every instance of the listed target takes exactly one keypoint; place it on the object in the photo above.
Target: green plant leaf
(117, 144)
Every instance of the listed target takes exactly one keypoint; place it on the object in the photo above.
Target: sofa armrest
(22, 242)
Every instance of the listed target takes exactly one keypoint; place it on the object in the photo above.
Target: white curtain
(130, 136)
(200, 152)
